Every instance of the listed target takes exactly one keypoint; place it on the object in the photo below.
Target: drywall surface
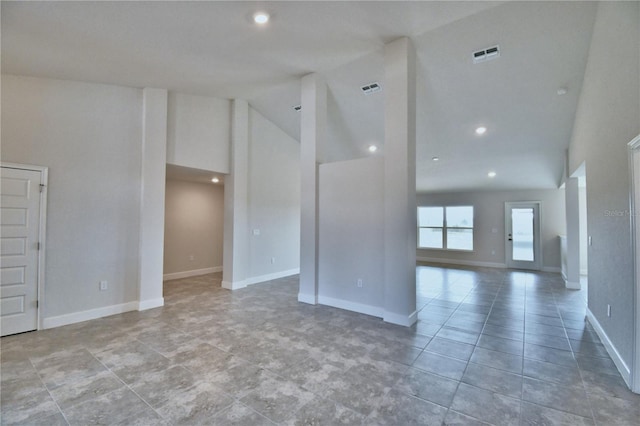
(489, 225)
(351, 229)
(606, 120)
(274, 199)
(193, 227)
(198, 132)
(90, 136)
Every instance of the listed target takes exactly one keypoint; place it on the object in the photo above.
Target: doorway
(522, 230)
(23, 213)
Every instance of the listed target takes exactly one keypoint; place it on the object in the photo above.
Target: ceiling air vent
(371, 88)
(297, 108)
(486, 54)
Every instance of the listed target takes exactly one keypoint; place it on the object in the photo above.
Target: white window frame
(445, 227)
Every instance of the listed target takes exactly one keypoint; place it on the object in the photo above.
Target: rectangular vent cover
(371, 88)
(297, 107)
(487, 54)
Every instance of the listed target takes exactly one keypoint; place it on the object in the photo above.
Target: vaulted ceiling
(214, 48)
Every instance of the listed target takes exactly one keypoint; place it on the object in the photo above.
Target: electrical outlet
(359, 282)
(493, 252)
(191, 257)
(104, 285)
(273, 260)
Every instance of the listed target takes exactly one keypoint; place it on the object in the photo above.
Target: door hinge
(37, 303)
(42, 185)
(38, 245)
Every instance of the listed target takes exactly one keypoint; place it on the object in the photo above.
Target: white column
(236, 188)
(312, 136)
(154, 154)
(572, 206)
(400, 225)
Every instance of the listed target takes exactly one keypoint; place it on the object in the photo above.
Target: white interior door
(19, 234)
(522, 230)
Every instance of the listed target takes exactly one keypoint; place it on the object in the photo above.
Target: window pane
(460, 239)
(430, 216)
(522, 228)
(460, 217)
(430, 238)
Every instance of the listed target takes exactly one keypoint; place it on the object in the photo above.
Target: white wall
(489, 216)
(193, 226)
(584, 246)
(89, 135)
(351, 233)
(274, 199)
(606, 120)
(198, 132)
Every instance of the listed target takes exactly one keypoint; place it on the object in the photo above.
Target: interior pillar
(154, 156)
(400, 223)
(572, 209)
(312, 136)
(236, 188)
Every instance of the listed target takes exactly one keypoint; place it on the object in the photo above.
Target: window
(449, 228)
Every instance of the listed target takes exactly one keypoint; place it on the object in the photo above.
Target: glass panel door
(522, 229)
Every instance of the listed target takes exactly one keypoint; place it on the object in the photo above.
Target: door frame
(537, 246)
(634, 212)
(42, 228)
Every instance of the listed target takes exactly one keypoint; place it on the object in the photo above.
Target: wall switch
(104, 285)
(609, 310)
(359, 282)
(191, 257)
(494, 230)
(273, 260)
(256, 232)
(589, 239)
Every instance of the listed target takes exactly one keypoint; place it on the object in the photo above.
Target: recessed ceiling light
(436, 158)
(261, 18)
(491, 174)
(215, 180)
(481, 130)
(373, 148)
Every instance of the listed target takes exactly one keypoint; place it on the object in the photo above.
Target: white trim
(192, 273)
(584, 272)
(273, 276)
(611, 349)
(235, 285)
(572, 285)
(404, 320)
(351, 306)
(310, 299)
(461, 262)
(91, 314)
(42, 232)
(555, 269)
(634, 210)
(143, 305)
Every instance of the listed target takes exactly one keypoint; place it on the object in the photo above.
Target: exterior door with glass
(522, 232)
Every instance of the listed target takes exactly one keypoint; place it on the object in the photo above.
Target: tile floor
(490, 347)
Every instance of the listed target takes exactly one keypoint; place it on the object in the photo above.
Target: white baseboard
(234, 285)
(624, 370)
(554, 269)
(351, 306)
(461, 262)
(150, 304)
(59, 321)
(192, 273)
(398, 319)
(572, 285)
(310, 299)
(273, 276)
